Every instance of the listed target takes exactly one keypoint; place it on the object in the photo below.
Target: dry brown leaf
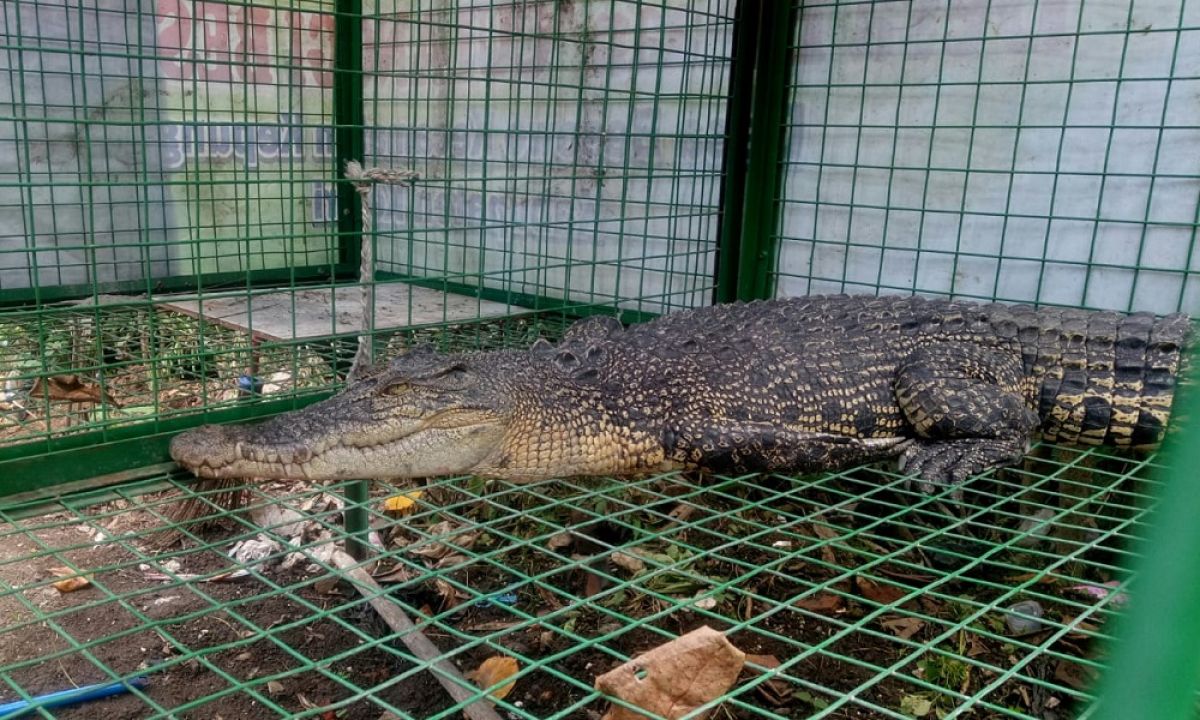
(1074, 674)
(449, 561)
(70, 580)
(438, 550)
(681, 512)
(674, 679)
(975, 645)
(398, 574)
(495, 669)
(629, 563)
(823, 532)
(559, 541)
(827, 553)
(905, 575)
(903, 627)
(1081, 630)
(879, 592)
(775, 690)
(592, 584)
(822, 602)
(449, 596)
(70, 388)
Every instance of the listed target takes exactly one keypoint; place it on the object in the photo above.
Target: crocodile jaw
(446, 443)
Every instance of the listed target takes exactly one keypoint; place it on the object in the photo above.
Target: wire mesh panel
(570, 150)
(1041, 151)
(189, 249)
(852, 595)
(568, 157)
(146, 141)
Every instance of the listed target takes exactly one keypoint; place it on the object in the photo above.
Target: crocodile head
(422, 415)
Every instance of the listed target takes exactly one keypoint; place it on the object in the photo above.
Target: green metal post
(748, 228)
(349, 143)
(737, 143)
(1155, 668)
(348, 122)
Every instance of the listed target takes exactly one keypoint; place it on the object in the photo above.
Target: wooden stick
(414, 639)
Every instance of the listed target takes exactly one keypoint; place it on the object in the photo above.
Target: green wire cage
(181, 243)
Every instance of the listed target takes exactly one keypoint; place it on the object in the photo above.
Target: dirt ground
(303, 660)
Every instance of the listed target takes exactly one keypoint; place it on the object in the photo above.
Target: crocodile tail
(1108, 378)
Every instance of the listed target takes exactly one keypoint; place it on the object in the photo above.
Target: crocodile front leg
(970, 408)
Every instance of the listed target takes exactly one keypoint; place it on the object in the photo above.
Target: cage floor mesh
(853, 595)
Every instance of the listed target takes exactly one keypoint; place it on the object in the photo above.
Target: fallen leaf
(327, 585)
(451, 560)
(70, 388)
(681, 512)
(905, 575)
(274, 687)
(675, 678)
(629, 563)
(438, 550)
(592, 584)
(1080, 629)
(903, 627)
(879, 592)
(775, 691)
(827, 553)
(1074, 674)
(822, 602)
(402, 504)
(559, 541)
(974, 644)
(826, 533)
(492, 671)
(916, 705)
(71, 581)
(398, 574)
(447, 593)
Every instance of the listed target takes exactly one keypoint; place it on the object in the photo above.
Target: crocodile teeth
(283, 455)
(239, 449)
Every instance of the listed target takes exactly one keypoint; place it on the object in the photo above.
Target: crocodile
(948, 388)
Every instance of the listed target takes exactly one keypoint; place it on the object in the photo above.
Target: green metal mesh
(873, 599)
(1029, 152)
(177, 245)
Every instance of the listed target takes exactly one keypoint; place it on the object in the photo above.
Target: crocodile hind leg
(970, 409)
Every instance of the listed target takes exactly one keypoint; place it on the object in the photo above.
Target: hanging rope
(363, 179)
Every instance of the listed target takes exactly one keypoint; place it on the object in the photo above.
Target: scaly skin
(799, 385)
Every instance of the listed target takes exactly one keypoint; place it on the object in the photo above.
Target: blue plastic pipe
(86, 693)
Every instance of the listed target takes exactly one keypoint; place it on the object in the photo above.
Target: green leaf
(916, 705)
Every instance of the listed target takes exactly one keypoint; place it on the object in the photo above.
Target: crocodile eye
(396, 388)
